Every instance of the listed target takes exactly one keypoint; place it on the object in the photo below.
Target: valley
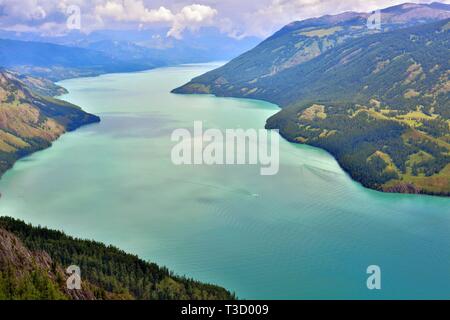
(226, 225)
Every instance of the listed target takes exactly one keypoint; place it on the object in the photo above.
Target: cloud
(191, 17)
(236, 18)
(37, 15)
(276, 13)
(24, 9)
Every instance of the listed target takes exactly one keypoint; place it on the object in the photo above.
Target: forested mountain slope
(33, 263)
(382, 110)
(302, 41)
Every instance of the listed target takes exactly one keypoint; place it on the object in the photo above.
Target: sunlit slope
(252, 73)
(30, 121)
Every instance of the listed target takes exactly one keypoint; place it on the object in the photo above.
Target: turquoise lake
(307, 232)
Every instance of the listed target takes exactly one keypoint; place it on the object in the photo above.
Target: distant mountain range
(78, 54)
(56, 62)
(378, 100)
(30, 119)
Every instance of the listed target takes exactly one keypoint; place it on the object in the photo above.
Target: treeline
(35, 285)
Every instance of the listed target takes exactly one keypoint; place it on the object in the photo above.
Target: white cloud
(237, 18)
(191, 17)
(97, 14)
(132, 11)
(24, 9)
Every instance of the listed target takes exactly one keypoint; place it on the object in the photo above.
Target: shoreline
(46, 148)
(174, 91)
(53, 117)
(419, 193)
(58, 97)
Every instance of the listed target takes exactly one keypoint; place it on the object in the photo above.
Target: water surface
(308, 232)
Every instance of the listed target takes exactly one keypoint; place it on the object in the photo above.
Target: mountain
(79, 54)
(30, 121)
(203, 45)
(41, 86)
(378, 101)
(33, 263)
(56, 62)
(302, 41)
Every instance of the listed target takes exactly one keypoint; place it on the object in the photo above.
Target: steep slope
(29, 121)
(379, 103)
(41, 86)
(25, 274)
(302, 41)
(33, 260)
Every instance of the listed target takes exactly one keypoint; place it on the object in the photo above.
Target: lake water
(307, 232)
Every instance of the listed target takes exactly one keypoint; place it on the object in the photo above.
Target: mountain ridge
(57, 62)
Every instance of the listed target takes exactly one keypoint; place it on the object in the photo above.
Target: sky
(236, 18)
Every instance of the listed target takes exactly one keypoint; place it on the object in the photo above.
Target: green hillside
(302, 41)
